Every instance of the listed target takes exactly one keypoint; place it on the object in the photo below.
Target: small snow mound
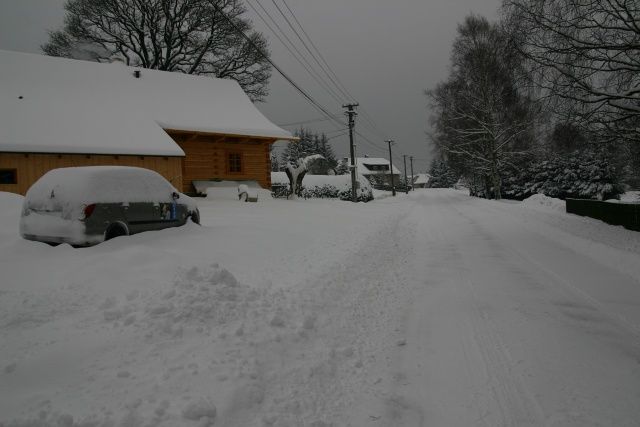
(10, 202)
(10, 208)
(630, 197)
(200, 296)
(277, 321)
(200, 409)
(542, 202)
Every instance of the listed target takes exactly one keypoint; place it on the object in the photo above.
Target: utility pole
(412, 180)
(404, 156)
(393, 186)
(351, 113)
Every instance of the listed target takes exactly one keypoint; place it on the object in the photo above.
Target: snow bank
(542, 202)
(10, 207)
(174, 328)
(628, 197)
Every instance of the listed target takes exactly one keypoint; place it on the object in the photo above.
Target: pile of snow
(174, 328)
(542, 202)
(10, 207)
(628, 197)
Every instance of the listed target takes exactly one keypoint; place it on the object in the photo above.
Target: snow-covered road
(508, 326)
(432, 309)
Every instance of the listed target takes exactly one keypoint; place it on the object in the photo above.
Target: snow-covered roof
(364, 165)
(421, 178)
(63, 105)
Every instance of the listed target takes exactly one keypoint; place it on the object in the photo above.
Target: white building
(376, 170)
(421, 180)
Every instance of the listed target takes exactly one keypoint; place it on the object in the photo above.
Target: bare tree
(188, 36)
(587, 56)
(481, 121)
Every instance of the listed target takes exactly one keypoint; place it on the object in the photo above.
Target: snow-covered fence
(624, 214)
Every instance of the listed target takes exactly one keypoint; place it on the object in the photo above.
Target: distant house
(57, 112)
(421, 180)
(376, 170)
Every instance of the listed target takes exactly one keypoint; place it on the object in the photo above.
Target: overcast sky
(386, 53)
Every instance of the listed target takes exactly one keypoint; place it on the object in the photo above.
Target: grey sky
(385, 52)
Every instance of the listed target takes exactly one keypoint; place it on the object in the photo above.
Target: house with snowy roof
(421, 180)
(376, 170)
(58, 112)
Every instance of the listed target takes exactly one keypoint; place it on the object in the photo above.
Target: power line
(300, 58)
(303, 122)
(288, 21)
(339, 84)
(308, 97)
(335, 79)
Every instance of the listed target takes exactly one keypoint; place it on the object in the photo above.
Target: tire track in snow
(318, 372)
(586, 351)
(500, 393)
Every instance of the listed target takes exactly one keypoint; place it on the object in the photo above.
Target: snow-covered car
(84, 206)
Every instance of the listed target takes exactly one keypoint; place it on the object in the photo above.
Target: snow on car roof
(63, 105)
(106, 184)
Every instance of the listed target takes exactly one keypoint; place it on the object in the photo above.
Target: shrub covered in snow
(322, 187)
(586, 175)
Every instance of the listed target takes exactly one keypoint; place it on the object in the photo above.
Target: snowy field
(428, 309)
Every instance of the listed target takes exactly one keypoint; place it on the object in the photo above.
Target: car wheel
(115, 230)
(195, 217)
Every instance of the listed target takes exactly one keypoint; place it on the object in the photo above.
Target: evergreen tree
(586, 174)
(342, 168)
(275, 164)
(310, 143)
(442, 176)
(323, 147)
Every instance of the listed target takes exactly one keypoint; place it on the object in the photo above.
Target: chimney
(136, 74)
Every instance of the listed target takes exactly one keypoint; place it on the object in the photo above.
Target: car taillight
(88, 210)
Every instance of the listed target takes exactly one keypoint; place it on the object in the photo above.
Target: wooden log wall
(32, 166)
(207, 158)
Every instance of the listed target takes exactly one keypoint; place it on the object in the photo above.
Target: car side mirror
(175, 195)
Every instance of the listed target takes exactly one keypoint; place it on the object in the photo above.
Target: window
(234, 164)
(377, 167)
(8, 176)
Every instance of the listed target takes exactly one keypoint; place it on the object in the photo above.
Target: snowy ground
(428, 309)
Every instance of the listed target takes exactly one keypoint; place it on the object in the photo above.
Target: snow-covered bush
(322, 187)
(325, 191)
(582, 174)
